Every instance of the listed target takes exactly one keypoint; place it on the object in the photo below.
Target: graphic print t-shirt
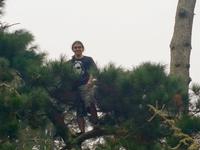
(82, 67)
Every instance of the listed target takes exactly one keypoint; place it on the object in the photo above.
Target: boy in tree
(84, 86)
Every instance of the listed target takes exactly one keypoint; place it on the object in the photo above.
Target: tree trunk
(181, 41)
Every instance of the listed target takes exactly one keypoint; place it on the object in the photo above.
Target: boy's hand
(91, 82)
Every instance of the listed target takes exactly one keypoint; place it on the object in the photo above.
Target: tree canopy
(137, 108)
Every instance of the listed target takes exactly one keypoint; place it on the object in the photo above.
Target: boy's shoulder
(87, 58)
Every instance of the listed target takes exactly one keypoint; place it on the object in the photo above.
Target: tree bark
(181, 41)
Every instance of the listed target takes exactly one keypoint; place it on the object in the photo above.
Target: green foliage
(125, 95)
(109, 84)
(189, 125)
(17, 48)
(28, 64)
(146, 84)
(12, 44)
(28, 85)
(36, 101)
(19, 99)
(56, 74)
(4, 63)
(116, 144)
(10, 102)
(30, 88)
(7, 146)
(5, 73)
(196, 89)
(38, 138)
(58, 78)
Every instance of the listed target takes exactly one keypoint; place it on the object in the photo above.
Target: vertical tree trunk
(181, 41)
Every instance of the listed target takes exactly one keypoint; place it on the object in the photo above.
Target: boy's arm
(93, 69)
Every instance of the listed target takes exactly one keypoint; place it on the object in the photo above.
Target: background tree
(1, 6)
(18, 64)
(124, 95)
(181, 41)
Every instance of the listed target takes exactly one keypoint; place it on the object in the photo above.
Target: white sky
(126, 32)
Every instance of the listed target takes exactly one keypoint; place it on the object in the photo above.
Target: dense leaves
(34, 93)
(58, 78)
(124, 94)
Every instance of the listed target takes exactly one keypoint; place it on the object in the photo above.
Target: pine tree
(36, 95)
(1, 6)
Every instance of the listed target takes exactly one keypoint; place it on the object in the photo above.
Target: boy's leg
(81, 113)
(93, 112)
(87, 96)
(81, 124)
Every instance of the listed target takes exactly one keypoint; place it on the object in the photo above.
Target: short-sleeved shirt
(83, 66)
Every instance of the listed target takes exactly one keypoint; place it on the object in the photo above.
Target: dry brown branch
(185, 139)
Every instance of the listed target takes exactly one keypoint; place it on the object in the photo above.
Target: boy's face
(77, 49)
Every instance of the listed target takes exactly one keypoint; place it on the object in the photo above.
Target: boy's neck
(78, 57)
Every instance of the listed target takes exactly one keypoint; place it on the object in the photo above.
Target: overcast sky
(126, 32)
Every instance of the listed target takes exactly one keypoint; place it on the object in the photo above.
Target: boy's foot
(94, 121)
(79, 133)
(76, 134)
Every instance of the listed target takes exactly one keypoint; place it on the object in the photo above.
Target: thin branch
(195, 112)
(4, 26)
(96, 132)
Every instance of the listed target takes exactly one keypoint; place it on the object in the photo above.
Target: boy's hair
(77, 42)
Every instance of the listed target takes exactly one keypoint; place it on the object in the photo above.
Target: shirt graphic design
(78, 67)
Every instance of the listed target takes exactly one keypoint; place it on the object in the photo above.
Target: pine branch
(9, 88)
(4, 26)
(185, 139)
(95, 133)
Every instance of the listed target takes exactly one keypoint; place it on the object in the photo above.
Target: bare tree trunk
(181, 41)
